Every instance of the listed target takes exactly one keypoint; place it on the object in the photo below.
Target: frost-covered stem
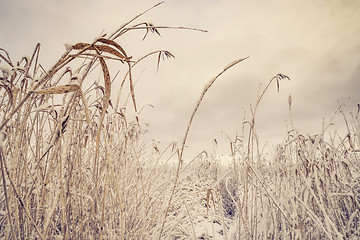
(180, 160)
(318, 199)
(5, 193)
(262, 94)
(107, 175)
(191, 221)
(313, 216)
(269, 194)
(3, 165)
(62, 193)
(252, 142)
(103, 209)
(206, 88)
(252, 124)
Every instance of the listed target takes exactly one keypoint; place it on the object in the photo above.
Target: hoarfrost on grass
(6, 71)
(68, 46)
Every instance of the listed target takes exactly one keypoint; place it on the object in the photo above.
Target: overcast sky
(315, 42)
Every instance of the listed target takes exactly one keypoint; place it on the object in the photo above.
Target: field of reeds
(74, 164)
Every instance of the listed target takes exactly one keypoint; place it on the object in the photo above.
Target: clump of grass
(72, 162)
(307, 190)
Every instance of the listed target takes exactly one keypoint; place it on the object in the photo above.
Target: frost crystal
(68, 46)
(6, 71)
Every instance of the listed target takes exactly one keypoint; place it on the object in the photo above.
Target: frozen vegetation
(74, 164)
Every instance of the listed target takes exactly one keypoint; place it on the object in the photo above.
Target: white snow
(68, 46)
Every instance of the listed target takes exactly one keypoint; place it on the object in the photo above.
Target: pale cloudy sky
(315, 42)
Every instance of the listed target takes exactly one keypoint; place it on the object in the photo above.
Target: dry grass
(74, 166)
(308, 190)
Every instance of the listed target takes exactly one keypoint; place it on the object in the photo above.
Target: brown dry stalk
(59, 89)
(115, 44)
(106, 100)
(208, 194)
(132, 90)
(103, 48)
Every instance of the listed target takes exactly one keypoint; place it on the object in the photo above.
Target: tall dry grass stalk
(181, 151)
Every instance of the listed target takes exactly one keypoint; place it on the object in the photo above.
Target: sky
(314, 42)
